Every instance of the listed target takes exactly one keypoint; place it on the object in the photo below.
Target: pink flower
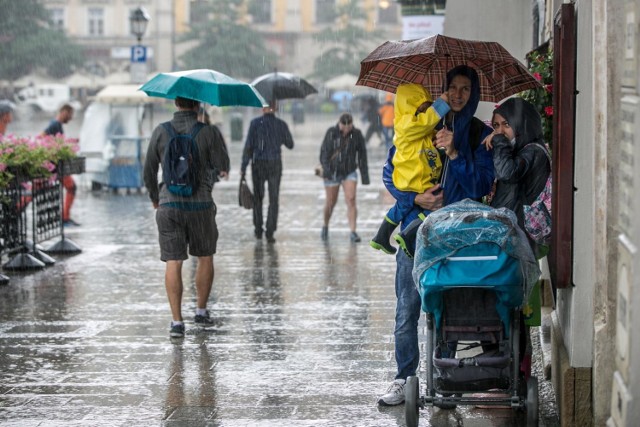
(548, 111)
(538, 76)
(48, 165)
(549, 88)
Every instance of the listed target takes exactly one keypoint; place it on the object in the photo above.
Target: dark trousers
(269, 171)
(373, 128)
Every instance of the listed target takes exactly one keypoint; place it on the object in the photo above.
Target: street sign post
(138, 64)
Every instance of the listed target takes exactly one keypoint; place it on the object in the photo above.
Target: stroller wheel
(411, 406)
(532, 401)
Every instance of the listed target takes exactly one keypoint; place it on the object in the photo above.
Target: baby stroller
(473, 268)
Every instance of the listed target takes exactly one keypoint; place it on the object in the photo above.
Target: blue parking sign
(138, 53)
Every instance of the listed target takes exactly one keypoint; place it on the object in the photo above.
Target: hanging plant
(541, 66)
(33, 157)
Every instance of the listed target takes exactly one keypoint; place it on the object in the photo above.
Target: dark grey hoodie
(521, 170)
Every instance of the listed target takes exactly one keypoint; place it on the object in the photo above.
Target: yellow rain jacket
(417, 164)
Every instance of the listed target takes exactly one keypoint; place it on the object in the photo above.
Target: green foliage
(541, 66)
(349, 42)
(29, 42)
(225, 45)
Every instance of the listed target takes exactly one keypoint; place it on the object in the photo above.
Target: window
(57, 18)
(325, 11)
(96, 21)
(199, 11)
(260, 11)
(388, 14)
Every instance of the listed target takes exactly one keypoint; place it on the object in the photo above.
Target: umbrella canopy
(344, 81)
(426, 62)
(341, 95)
(208, 86)
(280, 85)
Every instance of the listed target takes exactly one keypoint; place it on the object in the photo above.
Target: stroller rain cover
(498, 250)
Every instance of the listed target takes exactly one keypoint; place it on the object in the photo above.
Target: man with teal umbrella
(187, 223)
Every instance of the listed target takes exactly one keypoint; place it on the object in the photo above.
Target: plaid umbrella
(426, 62)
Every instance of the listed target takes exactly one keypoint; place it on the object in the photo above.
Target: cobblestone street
(304, 334)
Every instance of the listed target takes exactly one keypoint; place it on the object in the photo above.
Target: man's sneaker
(394, 395)
(203, 320)
(355, 238)
(70, 222)
(177, 331)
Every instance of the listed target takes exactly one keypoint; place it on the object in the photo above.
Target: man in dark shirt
(65, 114)
(262, 147)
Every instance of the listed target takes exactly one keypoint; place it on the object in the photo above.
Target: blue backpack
(181, 160)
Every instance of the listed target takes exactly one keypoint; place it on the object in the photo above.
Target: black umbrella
(278, 85)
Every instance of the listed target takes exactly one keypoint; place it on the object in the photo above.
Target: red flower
(548, 111)
(549, 88)
(538, 76)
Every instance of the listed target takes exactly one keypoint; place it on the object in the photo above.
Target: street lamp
(139, 19)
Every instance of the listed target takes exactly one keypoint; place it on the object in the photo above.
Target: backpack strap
(196, 129)
(540, 147)
(170, 129)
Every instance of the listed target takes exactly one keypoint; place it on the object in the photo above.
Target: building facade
(102, 28)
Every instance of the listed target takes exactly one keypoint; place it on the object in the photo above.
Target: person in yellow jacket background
(386, 112)
(417, 164)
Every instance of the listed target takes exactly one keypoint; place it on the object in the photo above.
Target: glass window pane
(260, 11)
(325, 11)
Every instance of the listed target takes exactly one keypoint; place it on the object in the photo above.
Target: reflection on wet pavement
(304, 332)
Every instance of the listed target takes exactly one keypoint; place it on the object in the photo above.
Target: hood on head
(472, 105)
(523, 119)
(409, 97)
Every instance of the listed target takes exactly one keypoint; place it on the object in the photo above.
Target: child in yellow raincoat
(417, 164)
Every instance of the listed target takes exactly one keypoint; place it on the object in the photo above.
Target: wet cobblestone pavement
(304, 332)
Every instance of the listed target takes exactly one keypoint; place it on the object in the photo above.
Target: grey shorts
(179, 229)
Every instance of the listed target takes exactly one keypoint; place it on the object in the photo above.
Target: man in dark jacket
(187, 222)
(263, 148)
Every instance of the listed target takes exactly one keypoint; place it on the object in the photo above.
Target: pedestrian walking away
(467, 173)
(342, 153)
(417, 163)
(186, 223)
(204, 117)
(263, 149)
(386, 120)
(65, 114)
(372, 116)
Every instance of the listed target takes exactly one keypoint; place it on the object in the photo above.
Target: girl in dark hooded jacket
(521, 169)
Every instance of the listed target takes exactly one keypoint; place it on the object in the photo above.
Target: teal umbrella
(204, 85)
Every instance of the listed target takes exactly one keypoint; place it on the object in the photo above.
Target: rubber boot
(407, 238)
(381, 240)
